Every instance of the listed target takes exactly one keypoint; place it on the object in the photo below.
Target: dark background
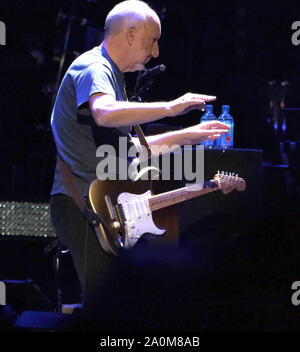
(231, 49)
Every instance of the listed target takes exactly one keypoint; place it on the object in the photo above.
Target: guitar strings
(156, 199)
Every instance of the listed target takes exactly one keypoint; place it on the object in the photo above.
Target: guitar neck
(179, 195)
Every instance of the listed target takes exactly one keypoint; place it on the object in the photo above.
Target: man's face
(145, 45)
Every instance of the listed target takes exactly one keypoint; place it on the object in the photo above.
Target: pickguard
(138, 217)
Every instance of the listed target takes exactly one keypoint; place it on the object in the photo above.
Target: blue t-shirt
(75, 132)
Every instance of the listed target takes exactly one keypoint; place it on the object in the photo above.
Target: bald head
(132, 32)
(126, 13)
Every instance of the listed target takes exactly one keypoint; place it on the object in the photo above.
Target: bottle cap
(209, 108)
(225, 108)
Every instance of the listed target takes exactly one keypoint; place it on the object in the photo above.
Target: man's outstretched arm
(108, 112)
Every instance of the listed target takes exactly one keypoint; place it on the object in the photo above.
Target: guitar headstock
(228, 182)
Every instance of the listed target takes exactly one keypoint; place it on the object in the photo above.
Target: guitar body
(104, 197)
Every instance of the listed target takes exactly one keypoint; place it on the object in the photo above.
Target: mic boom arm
(148, 78)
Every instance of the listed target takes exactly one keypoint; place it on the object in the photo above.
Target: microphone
(154, 71)
(147, 79)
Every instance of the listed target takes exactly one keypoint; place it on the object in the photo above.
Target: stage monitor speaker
(25, 219)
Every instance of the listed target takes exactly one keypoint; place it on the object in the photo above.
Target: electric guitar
(126, 208)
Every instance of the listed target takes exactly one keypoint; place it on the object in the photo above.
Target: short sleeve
(96, 78)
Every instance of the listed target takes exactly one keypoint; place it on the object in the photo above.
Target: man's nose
(155, 51)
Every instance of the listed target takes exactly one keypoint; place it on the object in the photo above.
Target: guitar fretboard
(177, 196)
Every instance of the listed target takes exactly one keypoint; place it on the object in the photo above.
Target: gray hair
(134, 10)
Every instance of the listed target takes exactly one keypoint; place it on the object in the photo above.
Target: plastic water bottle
(208, 116)
(226, 140)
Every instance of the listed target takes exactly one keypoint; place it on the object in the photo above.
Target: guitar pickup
(121, 213)
(110, 208)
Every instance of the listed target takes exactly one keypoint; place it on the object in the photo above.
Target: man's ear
(131, 34)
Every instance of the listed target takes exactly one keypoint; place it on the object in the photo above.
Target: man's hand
(189, 102)
(206, 130)
(188, 136)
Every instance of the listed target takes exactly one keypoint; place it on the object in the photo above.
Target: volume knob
(116, 225)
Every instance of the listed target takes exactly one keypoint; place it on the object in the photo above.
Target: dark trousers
(96, 269)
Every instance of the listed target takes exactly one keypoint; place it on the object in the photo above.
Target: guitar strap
(143, 141)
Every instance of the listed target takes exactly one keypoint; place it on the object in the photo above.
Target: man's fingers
(200, 97)
(211, 125)
(215, 136)
(191, 101)
(221, 131)
(207, 97)
(221, 125)
(216, 132)
(194, 106)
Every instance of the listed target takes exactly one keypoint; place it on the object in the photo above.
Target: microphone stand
(138, 93)
(148, 77)
(142, 90)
